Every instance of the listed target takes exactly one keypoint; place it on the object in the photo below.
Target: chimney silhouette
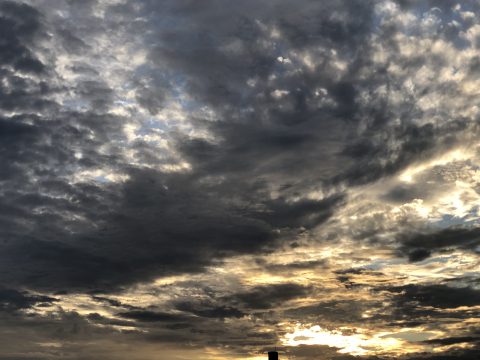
(272, 355)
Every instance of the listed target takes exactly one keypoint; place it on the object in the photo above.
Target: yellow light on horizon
(358, 343)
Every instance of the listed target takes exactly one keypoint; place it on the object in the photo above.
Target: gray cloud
(11, 300)
(265, 297)
(142, 140)
(419, 246)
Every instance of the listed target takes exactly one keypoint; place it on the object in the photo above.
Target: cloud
(20, 24)
(419, 246)
(428, 302)
(11, 300)
(439, 296)
(265, 297)
(317, 351)
(200, 173)
(209, 311)
(152, 316)
(339, 311)
(453, 340)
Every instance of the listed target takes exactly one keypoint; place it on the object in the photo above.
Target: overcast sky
(211, 179)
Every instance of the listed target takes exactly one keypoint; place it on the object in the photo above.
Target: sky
(216, 179)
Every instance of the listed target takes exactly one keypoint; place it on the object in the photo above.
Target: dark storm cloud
(297, 265)
(458, 354)
(197, 221)
(418, 255)
(454, 340)
(303, 213)
(99, 319)
(262, 137)
(36, 337)
(342, 311)
(176, 230)
(347, 277)
(153, 316)
(145, 229)
(420, 246)
(39, 144)
(209, 310)
(215, 305)
(151, 93)
(266, 297)
(20, 24)
(402, 194)
(11, 300)
(100, 95)
(292, 144)
(293, 89)
(426, 303)
(114, 303)
(268, 136)
(71, 43)
(437, 296)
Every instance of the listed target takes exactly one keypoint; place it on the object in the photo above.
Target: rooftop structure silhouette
(272, 355)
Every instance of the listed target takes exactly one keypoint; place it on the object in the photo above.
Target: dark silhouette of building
(272, 355)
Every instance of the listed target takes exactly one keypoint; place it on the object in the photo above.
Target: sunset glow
(217, 179)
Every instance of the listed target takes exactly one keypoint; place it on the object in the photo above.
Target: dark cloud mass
(212, 179)
(11, 299)
(266, 297)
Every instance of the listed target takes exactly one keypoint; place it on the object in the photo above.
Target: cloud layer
(217, 178)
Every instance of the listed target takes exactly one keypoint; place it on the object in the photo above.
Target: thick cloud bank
(216, 178)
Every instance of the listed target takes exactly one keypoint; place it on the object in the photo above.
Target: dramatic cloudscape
(212, 179)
